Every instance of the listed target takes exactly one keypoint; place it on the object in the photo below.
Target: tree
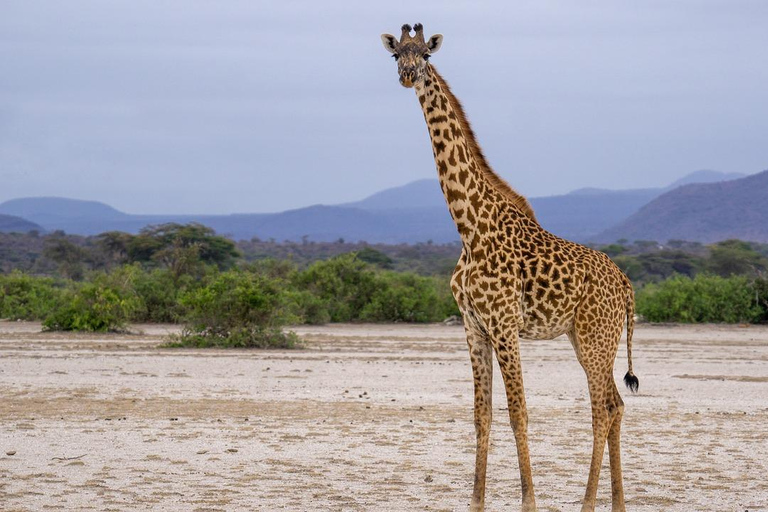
(181, 246)
(69, 257)
(613, 249)
(734, 257)
(375, 257)
(115, 245)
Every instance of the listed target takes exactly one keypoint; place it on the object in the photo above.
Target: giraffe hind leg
(607, 410)
(614, 449)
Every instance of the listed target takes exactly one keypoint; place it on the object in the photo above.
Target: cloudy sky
(252, 106)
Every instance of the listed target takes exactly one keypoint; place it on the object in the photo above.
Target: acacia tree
(176, 245)
(734, 257)
(69, 257)
(115, 245)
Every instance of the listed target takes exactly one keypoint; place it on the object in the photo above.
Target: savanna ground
(367, 417)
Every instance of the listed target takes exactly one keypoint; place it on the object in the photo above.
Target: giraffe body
(515, 279)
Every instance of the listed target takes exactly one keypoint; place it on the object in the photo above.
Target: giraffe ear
(390, 43)
(435, 42)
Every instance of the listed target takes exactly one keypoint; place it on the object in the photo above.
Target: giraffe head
(411, 52)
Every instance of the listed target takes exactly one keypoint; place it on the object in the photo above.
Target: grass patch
(242, 338)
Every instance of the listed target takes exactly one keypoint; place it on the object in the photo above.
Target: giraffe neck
(471, 188)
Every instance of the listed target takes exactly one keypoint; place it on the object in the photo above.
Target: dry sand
(368, 417)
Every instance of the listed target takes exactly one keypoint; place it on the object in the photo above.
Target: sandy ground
(368, 417)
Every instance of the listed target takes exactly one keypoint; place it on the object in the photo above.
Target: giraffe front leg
(508, 354)
(480, 353)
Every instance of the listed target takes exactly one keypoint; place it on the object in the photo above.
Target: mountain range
(689, 208)
(712, 211)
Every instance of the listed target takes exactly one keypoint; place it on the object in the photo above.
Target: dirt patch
(368, 417)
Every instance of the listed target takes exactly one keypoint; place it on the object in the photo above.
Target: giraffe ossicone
(515, 279)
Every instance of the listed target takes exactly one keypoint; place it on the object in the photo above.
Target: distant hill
(414, 195)
(575, 215)
(412, 213)
(705, 176)
(578, 215)
(14, 224)
(317, 223)
(701, 212)
(330, 223)
(47, 209)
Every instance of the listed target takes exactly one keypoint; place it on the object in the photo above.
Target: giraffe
(516, 280)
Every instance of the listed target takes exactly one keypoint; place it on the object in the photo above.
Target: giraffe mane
(496, 181)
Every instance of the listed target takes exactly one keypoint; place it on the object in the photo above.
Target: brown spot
(462, 155)
(454, 195)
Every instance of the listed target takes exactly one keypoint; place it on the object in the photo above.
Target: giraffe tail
(632, 382)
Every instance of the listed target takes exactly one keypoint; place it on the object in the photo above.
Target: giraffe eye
(426, 56)
(395, 56)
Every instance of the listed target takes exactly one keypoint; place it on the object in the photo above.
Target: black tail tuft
(632, 382)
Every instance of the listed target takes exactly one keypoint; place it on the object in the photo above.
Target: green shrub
(24, 297)
(93, 306)
(346, 289)
(309, 308)
(705, 298)
(238, 309)
(160, 292)
(400, 297)
(344, 285)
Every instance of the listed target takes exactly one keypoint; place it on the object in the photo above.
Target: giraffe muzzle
(407, 78)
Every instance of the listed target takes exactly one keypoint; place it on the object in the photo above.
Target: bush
(309, 308)
(160, 291)
(238, 309)
(24, 297)
(346, 289)
(705, 298)
(94, 306)
(405, 298)
(344, 285)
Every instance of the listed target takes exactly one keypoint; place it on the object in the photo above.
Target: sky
(157, 106)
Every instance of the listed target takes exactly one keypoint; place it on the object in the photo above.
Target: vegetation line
(244, 295)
